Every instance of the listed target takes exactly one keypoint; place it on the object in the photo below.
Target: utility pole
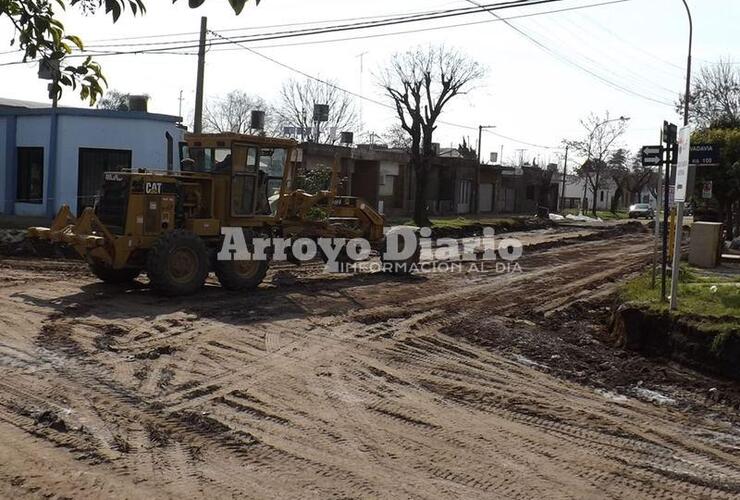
(476, 189)
(198, 122)
(565, 176)
(675, 268)
(179, 108)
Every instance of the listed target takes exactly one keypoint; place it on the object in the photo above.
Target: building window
(530, 192)
(30, 175)
(602, 196)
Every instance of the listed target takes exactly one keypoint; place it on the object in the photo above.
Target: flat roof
(15, 107)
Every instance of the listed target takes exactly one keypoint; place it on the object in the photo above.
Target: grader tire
(113, 276)
(239, 275)
(177, 263)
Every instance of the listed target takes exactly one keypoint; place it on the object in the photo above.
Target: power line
(565, 59)
(354, 94)
(435, 15)
(170, 50)
(433, 28)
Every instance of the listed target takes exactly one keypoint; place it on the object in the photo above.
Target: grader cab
(169, 224)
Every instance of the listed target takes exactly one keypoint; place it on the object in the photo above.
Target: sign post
(682, 178)
(652, 156)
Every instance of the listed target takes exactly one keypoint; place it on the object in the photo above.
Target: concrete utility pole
(198, 122)
(476, 188)
(565, 176)
(179, 108)
(675, 268)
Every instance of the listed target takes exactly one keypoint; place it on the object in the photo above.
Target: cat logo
(153, 188)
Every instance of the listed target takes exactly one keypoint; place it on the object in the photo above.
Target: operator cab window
(257, 176)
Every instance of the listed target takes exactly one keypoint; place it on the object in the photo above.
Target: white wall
(34, 131)
(145, 138)
(3, 166)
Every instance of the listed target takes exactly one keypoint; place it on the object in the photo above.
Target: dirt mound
(683, 339)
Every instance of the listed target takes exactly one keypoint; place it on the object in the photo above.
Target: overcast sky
(636, 49)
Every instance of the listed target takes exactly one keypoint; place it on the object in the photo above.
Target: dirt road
(468, 385)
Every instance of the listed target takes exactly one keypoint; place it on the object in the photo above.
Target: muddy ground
(473, 384)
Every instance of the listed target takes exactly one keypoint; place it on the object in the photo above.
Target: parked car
(641, 210)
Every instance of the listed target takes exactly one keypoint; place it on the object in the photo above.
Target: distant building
(53, 156)
(383, 177)
(579, 194)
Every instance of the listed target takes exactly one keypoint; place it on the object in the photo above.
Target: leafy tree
(715, 96)
(421, 82)
(115, 100)
(725, 178)
(41, 36)
(396, 137)
(467, 151)
(233, 113)
(296, 103)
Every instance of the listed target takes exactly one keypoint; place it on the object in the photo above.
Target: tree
(41, 36)
(421, 82)
(715, 96)
(467, 151)
(602, 134)
(296, 104)
(725, 178)
(619, 172)
(115, 100)
(397, 138)
(233, 113)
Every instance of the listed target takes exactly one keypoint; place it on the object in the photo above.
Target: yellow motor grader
(169, 223)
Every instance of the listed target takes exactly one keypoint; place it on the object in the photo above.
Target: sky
(545, 72)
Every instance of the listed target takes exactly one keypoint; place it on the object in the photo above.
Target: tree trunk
(596, 192)
(421, 217)
(617, 197)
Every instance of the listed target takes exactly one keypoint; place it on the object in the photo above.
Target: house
(579, 194)
(523, 190)
(50, 156)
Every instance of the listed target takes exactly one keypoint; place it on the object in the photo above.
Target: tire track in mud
(375, 402)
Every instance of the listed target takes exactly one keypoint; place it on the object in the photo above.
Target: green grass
(716, 311)
(454, 222)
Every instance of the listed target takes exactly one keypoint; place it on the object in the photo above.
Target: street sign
(705, 155)
(706, 191)
(652, 155)
(682, 168)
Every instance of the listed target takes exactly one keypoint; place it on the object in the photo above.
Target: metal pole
(565, 176)
(675, 270)
(476, 191)
(666, 203)
(198, 121)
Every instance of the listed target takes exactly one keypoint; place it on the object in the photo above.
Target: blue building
(53, 156)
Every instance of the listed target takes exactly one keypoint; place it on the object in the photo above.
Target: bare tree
(233, 113)
(715, 96)
(296, 104)
(421, 82)
(602, 134)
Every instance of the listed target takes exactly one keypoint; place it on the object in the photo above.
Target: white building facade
(49, 157)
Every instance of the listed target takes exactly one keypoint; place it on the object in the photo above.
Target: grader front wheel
(241, 275)
(177, 263)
